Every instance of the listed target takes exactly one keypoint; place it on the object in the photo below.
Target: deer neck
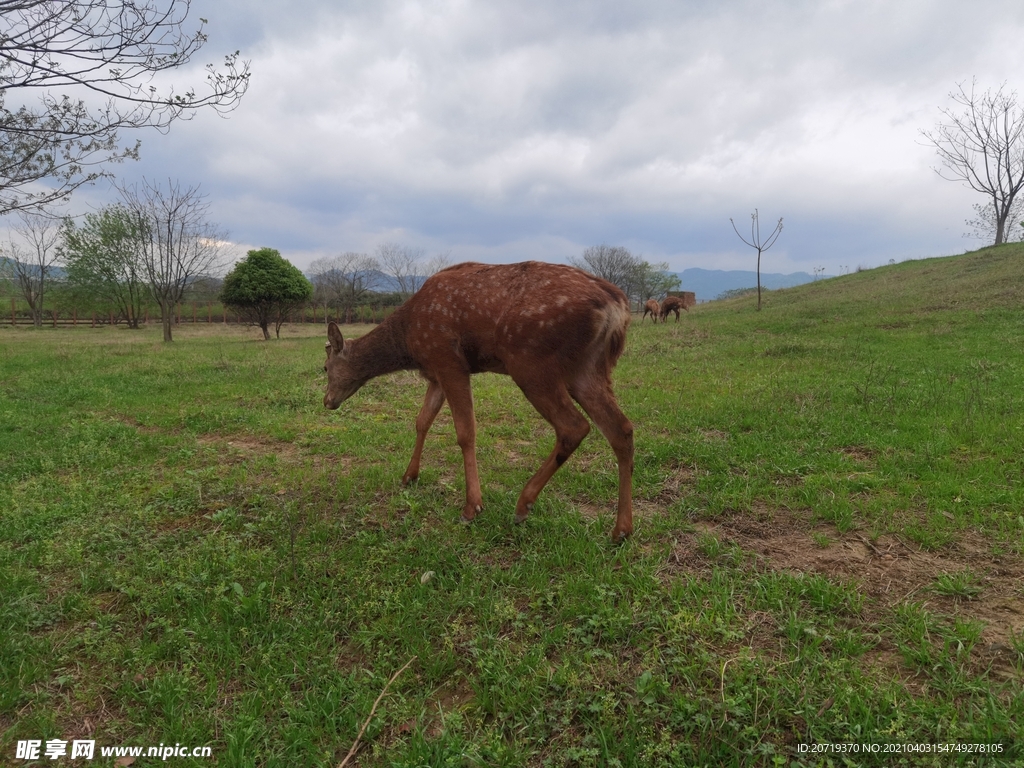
(382, 350)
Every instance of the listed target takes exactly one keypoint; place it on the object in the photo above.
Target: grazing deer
(653, 309)
(556, 330)
(672, 304)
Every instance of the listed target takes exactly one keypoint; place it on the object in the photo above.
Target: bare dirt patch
(859, 453)
(888, 570)
(239, 447)
(681, 477)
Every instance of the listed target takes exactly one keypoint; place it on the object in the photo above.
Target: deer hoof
(620, 536)
(521, 516)
(469, 513)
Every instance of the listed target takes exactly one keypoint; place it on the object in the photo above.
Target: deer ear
(337, 343)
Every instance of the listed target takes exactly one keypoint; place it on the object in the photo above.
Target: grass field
(828, 547)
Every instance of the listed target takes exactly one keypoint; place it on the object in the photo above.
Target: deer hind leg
(552, 401)
(457, 390)
(595, 396)
(431, 407)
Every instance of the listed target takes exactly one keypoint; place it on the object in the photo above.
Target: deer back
(493, 317)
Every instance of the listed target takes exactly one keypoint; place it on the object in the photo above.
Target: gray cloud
(507, 130)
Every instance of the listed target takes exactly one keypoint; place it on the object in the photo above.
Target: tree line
(152, 247)
(156, 247)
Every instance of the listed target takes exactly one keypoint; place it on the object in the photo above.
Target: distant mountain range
(7, 265)
(708, 284)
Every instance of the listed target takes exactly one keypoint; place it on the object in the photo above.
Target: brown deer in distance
(653, 309)
(556, 330)
(672, 304)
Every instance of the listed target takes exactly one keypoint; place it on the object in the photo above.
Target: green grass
(828, 545)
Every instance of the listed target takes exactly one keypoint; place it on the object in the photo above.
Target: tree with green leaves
(655, 280)
(263, 288)
(103, 261)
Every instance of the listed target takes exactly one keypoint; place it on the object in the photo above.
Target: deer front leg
(432, 403)
(460, 400)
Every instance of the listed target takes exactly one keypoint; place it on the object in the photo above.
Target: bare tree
(761, 245)
(343, 281)
(436, 263)
(983, 147)
(638, 278)
(321, 275)
(612, 263)
(177, 244)
(402, 264)
(109, 52)
(31, 261)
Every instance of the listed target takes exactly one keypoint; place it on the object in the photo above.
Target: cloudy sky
(505, 130)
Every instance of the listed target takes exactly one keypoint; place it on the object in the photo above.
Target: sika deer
(672, 304)
(556, 330)
(653, 309)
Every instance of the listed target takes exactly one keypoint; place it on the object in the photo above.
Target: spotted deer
(672, 304)
(556, 330)
(653, 309)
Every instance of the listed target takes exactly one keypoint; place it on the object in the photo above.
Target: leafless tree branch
(177, 243)
(94, 65)
(756, 242)
(31, 261)
(982, 145)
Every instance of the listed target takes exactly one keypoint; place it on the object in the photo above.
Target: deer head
(342, 379)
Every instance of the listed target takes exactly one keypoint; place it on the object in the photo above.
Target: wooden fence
(195, 312)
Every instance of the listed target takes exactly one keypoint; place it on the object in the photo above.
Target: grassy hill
(987, 279)
(828, 546)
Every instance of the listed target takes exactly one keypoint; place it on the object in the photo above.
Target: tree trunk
(758, 283)
(1001, 228)
(167, 319)
(265, 329)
